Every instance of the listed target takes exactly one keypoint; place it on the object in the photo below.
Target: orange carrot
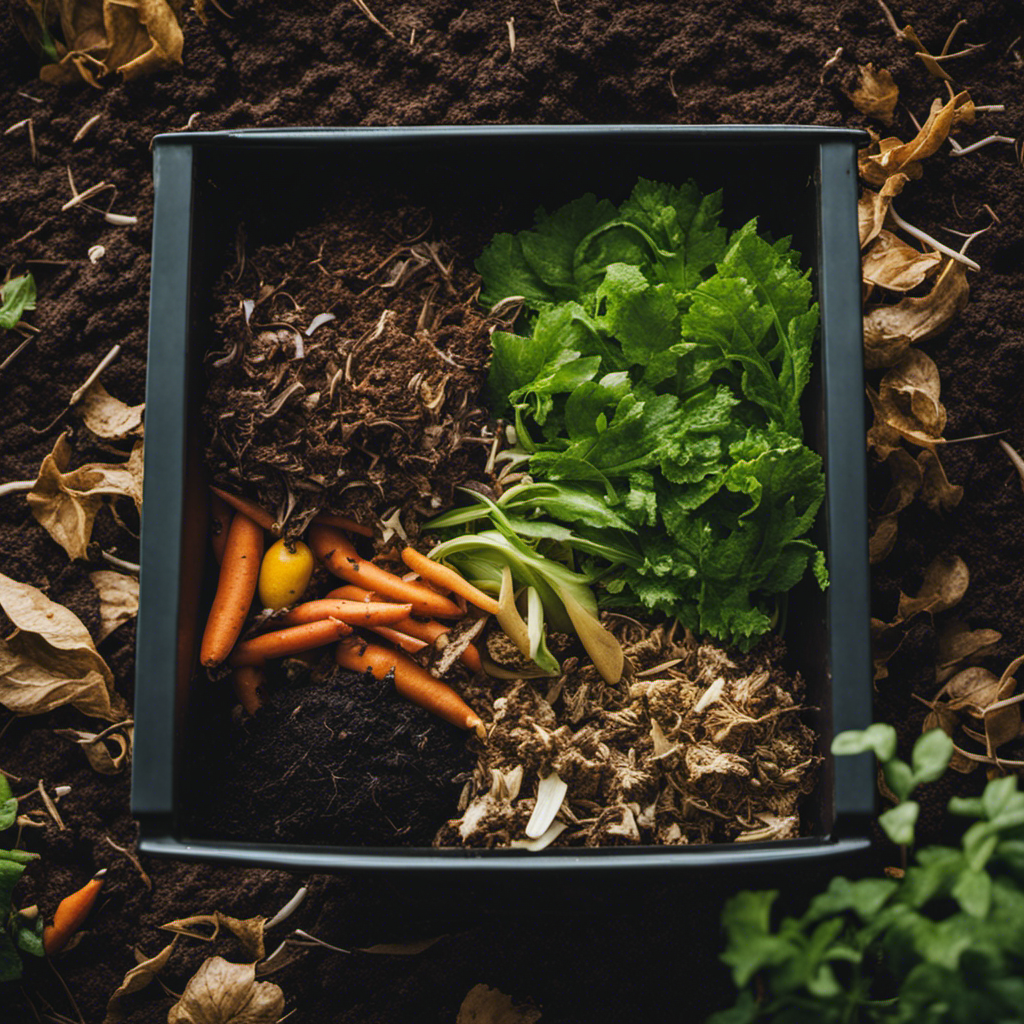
(249, 680)
(235, 589)
(407, 643)
(351, 593)
(220, 522)
(71, 914)
(250, 509)
(413, 682)
(335, 550)
(448, 579)
(355, 613)
(343, 523)
(283, 642)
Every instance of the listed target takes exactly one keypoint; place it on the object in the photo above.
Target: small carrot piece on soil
(343, 523)
(448, 579)
(250, 509)
(283, 642)
(335, 550)
(220, 522)
(413, 682)
(71, 914)
(355, 613)
(249, 680)
(235, 590)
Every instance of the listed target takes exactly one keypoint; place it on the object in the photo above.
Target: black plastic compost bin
(798, 180)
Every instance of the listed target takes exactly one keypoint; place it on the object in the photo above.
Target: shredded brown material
(692, 747)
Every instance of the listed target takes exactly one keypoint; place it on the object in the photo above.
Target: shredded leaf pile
(697, 747)
(351, 365)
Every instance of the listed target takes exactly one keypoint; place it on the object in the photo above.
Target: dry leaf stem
(14, 486)
(923, 236)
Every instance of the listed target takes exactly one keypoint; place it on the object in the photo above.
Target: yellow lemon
(284, 573)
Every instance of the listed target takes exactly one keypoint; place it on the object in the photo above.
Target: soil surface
(575, 61)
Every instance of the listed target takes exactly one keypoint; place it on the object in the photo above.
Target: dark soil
(324, 63)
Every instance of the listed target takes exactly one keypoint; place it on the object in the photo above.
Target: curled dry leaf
(891, 425)
(249, 931)
(958, 642)
(135, 980)
(892, 264)
(876, 93)
(886, 640)
(911, 389)
(484, 1005)
(225, 993)
(107, 416)
(906, 483)
(936, 490)
(65, 503)
(873, 207)
(51, 660)
(93, 38)
(944, 585)
(119, 599)
(108, 753)
(883, 539)
(971, 690)
(889, 331)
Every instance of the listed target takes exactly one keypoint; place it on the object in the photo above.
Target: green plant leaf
(865, 897)
(29, 937)
(999, 795)
(931, 756)
(879, 739)
(16, 296)
(898, 822)
(974, 893)
(899, 776)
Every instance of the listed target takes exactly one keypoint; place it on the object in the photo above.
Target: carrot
(283, 642)
(249, 680)
(355, 613)
(351, 593)
(407, 643)
(71, 914)
(448, 579)
(413, 682)
(220, 522)
(335, 550)
(343, 523)
(250, 509)
(235, 589)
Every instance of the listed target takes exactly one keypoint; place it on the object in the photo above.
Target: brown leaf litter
(350, 377)
(692, 747)
(221, 992)
(876, 93)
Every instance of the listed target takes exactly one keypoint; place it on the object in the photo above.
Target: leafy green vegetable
(17, 295)
(15, 932)
(661, 376)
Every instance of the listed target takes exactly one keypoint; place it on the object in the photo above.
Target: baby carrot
(250, 509)
(220, 522)
(351, 593)
(71, 914)
(335, 550)
(249, 680)
(283, 642)
(407, 643)
(355, 613)
(413, 682)
(235, 589)
(343, 523)
(448, 579)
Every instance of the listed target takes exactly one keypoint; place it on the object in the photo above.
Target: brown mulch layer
(322, 62)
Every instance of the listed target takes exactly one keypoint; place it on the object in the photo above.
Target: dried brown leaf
(906, 481)
(107, 416)
(876, 93)
(890, 426)
(944, 585)
(65, 503)
(248, 931)
(886, 640)
(873, 207)
(225, 993)
(892, 264)
(484, 1005)
(108, 754)
(922, 53)
(883, 539)
(890, 330)
(119, 599)
(51, 660)
(936, 490)
(136, 980)
(958, 642)
(870, 170)
(909, 393)
(971, 690)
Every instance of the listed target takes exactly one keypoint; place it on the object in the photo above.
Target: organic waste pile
(637, 446)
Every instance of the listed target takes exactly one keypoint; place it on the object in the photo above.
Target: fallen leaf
(108, 754)
(93, 38)
(886, 640)
(1003, 724)
(883, 440)
(402, 948)
(936, 490)
(869, 168)
(65, 503)
(107, 416)
(944, 585)
(909, 393)
(876, 93)
(906, 481)
(890, 330)
(891, 422)
(882, 539)
(135, 980)
(892, 264)
(119, 599)
(971, 690)
(873, 207)
(485, 1005)
(51, 660)
(249, 931)
(933, 67)
(225, 993)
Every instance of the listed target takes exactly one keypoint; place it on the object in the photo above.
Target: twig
(80, 197)
(892, 21)
(959, 150)
(317, 942)
(1018, 462)
(36, 99)
(287, 910)
(970, 48)
(361, 4)
(952, 35)
(67, 992)
(922, 236)
(28, 234)
(83, 131)
(121, 563)
(993, 108)
(834, 59)
(135, 860)
(51, 807)
(91, 379)
(16, 486)
(14, 355)
(511, 23)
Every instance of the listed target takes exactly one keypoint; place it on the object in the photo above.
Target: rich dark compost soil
(324, 63)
